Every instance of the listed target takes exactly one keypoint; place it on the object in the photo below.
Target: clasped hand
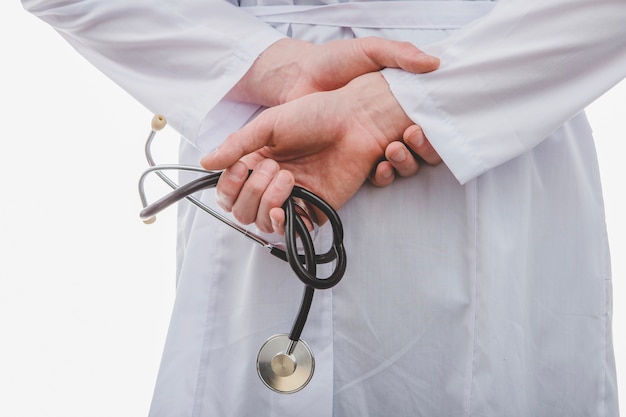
(331, 124)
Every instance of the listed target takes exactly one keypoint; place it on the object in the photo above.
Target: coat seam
(472, 204)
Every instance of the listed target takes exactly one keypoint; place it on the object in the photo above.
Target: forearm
(509, 80)
(292, 68)
(273, 75)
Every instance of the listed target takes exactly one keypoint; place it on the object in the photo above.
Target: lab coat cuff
(445, 136)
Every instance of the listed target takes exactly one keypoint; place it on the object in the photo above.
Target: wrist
(380, 109)
(272, 75)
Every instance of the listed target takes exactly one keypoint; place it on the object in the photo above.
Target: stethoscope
(285, 363)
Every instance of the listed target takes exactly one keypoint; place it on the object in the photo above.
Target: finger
(395, 54)
(401, 158)
(274, 196)
(246, 206)
(252, 137)
(383, 174)
(229, 185)
(277, 217)
(373, 54)
(415, 139)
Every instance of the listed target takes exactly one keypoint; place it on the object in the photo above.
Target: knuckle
(255, 187)
(407, 45)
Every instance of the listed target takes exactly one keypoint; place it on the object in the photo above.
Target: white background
(86, 288)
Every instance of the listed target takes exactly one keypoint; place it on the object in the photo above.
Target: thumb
(250, 138)
(396, 54)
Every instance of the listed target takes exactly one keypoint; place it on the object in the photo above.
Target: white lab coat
(479, 287)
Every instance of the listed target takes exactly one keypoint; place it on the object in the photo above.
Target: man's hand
(290, 68)
(403, 158)
(326, 142)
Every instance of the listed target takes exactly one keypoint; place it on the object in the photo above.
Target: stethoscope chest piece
(285, 366)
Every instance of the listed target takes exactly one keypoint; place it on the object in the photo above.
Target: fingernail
(238, 172)
(267, 167)
(283, 180)
(275, 224)
(415, 139)
(387, 174)
(398, 156)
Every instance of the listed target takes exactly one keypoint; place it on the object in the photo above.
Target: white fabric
(377, 14)
(172, 56)
(477, 288)
(526, 57)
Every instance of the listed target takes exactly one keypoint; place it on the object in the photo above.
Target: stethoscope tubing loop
(295, 227)
(183, 191)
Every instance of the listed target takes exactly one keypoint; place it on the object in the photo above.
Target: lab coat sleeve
(176, 57)
(511, 78)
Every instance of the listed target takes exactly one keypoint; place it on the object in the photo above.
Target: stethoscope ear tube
(206, 181)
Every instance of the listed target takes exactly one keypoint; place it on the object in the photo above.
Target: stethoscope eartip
(158, 122)
(150, 220)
